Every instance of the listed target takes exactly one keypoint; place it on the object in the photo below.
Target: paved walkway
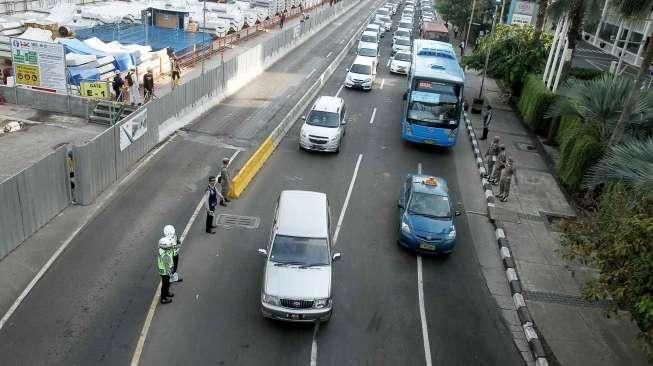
(574, 331)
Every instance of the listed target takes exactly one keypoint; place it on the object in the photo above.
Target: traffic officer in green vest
(166, 265)
(169, 232)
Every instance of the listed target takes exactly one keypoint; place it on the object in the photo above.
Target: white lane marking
(314, 344)
(388, 64)
(344, 206)
(373, 115)
(310, 73)
(329, 54)
(419, 168)
(382, 82)
(593, 64)
(422, 311)
(70, 238)
(341, 41)
(340, 89)
(136, 357)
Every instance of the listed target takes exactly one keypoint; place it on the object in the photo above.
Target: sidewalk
(573, 330)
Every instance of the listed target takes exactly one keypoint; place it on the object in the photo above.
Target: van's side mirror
(343, 122)
(405, 96)
(336, 256)
(400, 204)
(303, 118)
(263, 252)
(347, 69)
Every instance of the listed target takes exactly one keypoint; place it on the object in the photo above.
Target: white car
(406, 24)
(324, 126)
(401, 33)
(368, 37)
(370, 51)
(381, 24)
(401, 44)
(374, 28)
(386, 20)
(361, 74)
(400, 63)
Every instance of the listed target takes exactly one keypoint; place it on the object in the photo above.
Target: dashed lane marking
(373, 115)
(340, 89)
(422, 311)
(310, 73)
(382, 82)
(329, 54)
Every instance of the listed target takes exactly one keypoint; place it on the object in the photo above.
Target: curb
(525, 318)
(257, 160)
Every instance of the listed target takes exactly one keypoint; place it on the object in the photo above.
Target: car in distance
(426, 215)
(400, 63)
(361, 74)
(324, 127)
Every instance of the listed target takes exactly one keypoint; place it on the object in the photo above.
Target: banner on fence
(95, 89)
(39, 65)
(133, 129)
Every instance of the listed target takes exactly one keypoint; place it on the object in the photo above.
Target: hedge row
(535, 100)
(580, 147)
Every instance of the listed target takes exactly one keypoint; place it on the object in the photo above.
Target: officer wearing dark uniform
(211, 197)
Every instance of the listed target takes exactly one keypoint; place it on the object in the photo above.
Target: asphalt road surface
(91, 305)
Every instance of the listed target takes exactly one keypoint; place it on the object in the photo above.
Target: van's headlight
(405, 228)
(303, 133)
(269, 299)
(452, 234)
(321, 303)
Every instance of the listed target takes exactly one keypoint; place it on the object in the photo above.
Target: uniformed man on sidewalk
(504, 182)
(491, 154)
(211, 197)
(486, 122)
(225, 179)
(169, 232)
(499, 164)
(165, 265)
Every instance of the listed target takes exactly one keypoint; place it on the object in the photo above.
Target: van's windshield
(299, 251)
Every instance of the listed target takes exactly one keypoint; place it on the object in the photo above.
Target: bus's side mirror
(405, 95)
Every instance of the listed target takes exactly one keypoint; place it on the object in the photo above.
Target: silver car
(297, 272)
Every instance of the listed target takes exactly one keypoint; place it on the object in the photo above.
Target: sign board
(522, 12)
(95, 89)
(133, 129)
(39, 65)
(521, 19)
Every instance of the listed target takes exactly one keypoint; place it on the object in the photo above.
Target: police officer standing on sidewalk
(169, 232)
(491, 154)
(211, 196)
(504, 182)
(486, 122)
(165, 265)
(225, 179)
(499, 164)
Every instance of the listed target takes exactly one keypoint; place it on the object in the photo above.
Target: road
(588, 56)
(91, 305)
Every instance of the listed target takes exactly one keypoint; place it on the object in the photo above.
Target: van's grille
(296, 304)
(317, 139)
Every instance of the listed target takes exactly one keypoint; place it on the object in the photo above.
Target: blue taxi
(426, 215)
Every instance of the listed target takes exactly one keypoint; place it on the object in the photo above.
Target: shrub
(584, 74)
(580, 147)
(535, 100)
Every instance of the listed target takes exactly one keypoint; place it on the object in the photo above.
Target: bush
(535, 100)
(580, 147)
(618, 241)
(584, 74)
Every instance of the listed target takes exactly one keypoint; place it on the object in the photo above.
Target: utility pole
(469, 26)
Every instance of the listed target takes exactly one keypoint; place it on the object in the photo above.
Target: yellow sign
(27, 75)
(95, 89)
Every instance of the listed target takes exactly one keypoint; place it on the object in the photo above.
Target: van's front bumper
(364, 86)
(295, 315)
(330, 146)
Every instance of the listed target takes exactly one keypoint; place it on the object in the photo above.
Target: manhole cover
(524, 146)
(245, 222)
(552, 221)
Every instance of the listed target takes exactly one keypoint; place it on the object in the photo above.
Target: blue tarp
(75, 76)
(123, 61)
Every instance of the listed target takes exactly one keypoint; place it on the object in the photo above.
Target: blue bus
(433, 102)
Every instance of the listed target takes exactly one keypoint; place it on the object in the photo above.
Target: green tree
(630, 162)
(541, 16)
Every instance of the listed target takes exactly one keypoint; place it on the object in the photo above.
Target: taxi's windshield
(430, 205)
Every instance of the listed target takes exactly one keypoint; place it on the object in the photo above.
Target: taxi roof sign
(430, 181)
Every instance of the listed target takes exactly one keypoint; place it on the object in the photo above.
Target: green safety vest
(164, 262)
(175, 248)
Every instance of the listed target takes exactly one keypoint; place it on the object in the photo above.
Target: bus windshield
(433, 109)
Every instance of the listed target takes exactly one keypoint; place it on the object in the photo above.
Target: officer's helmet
(169, 230)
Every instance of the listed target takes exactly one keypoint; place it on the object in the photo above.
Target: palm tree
(541, 15)
(630, 162)
(633, 10)
(598, 102)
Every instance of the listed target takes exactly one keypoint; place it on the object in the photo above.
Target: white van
(375, 28)
(368, 37)
(324, 127)
(297, 275)
(361, 74)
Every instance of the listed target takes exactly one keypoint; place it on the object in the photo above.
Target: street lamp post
(469, 26)
(489, 50)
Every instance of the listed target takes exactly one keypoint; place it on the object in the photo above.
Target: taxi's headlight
(405, 228)
(452, 234)
(321, 303)
(269, 299)
(303, 133)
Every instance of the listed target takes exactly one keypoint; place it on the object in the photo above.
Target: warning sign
(39, 65)
(95, 89)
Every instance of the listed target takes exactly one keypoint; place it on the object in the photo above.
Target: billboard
(133, 129)
(522, 12)
(39, 65)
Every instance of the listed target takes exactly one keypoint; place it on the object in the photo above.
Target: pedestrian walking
(499, 164)
(117, 86)
(455, 33)
(211, 196)
(132, 84)
(504, 182)
(462, 48)
(282, 19)
(491, 154)
(225, 179)
(486, 122)
(169, 232)
(165, 265)
(148, 85)
(176, 71)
